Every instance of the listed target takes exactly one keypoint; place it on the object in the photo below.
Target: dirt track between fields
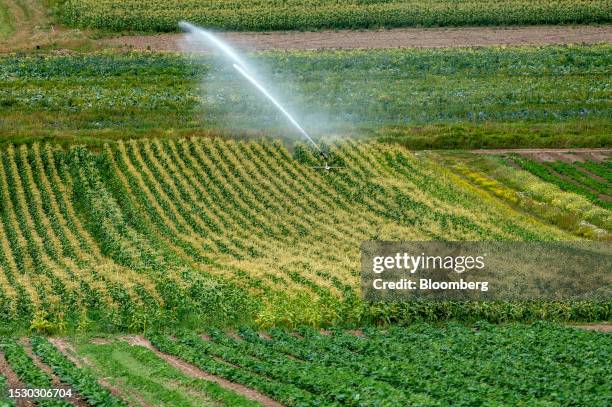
(394, 38)
(569, 155)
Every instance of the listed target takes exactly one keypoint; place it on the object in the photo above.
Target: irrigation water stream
(200, 35)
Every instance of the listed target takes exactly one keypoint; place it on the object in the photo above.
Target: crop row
(29, 373)
(569, 178)
(82, 381)
(4, 399)
(136, 94)
(420, 364)
(158, 15)
(146, 232)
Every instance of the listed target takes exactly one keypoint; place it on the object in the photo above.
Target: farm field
(267, 15)
(168, 239)
(589, 179)
(146, 234)
(556, 96)
(525, 364)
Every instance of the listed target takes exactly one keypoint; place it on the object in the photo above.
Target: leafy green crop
(82, 381)
(422, 364)
(452, 98)
(163, 15)
(568, 178)
(28, 372)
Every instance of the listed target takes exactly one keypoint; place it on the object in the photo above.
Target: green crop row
(159, 15)
(601, 169)
(547, 173)
(82, 381)
(152, 232)
(573, 172)
(29, 373)
(420, 364)
(452, 98)
(5, 401)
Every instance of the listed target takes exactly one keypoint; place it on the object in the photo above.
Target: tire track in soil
(76, 399)
(197, 373)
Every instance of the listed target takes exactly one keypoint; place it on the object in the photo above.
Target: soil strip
(605, 328)
(392, 38)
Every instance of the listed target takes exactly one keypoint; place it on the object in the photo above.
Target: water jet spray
(242, 68)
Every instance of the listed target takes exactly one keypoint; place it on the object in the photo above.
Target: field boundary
(382, 39)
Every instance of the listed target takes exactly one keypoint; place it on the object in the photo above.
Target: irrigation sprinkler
(239, 65)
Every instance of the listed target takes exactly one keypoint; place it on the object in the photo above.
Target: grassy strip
(286, 393)
(160, 15)
(84, 382)
(138, 370)
(453, 98)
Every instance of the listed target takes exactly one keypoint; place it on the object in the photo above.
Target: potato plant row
(421, 364)
(81, 380)
(159, 15)
(29, 373)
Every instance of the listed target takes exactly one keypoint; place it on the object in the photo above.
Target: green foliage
(149, 234)
(81, 380)
(5, 401)
(452, 98)
(159, 15)
(28, 372)
(568, 178)
(137, 370)
(421, 364)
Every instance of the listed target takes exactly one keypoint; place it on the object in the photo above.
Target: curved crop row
(150, 232)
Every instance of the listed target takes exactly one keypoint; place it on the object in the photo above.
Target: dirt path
(568, 155)
(605, 328)
(394, 38)
(193, 371)
(34, 28)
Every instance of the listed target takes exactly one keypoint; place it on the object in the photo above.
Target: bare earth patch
(193, 371)
(605, 328)
(568, 155)
(356, 332)
(393, 38)
(100, 341)
(67, 350)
